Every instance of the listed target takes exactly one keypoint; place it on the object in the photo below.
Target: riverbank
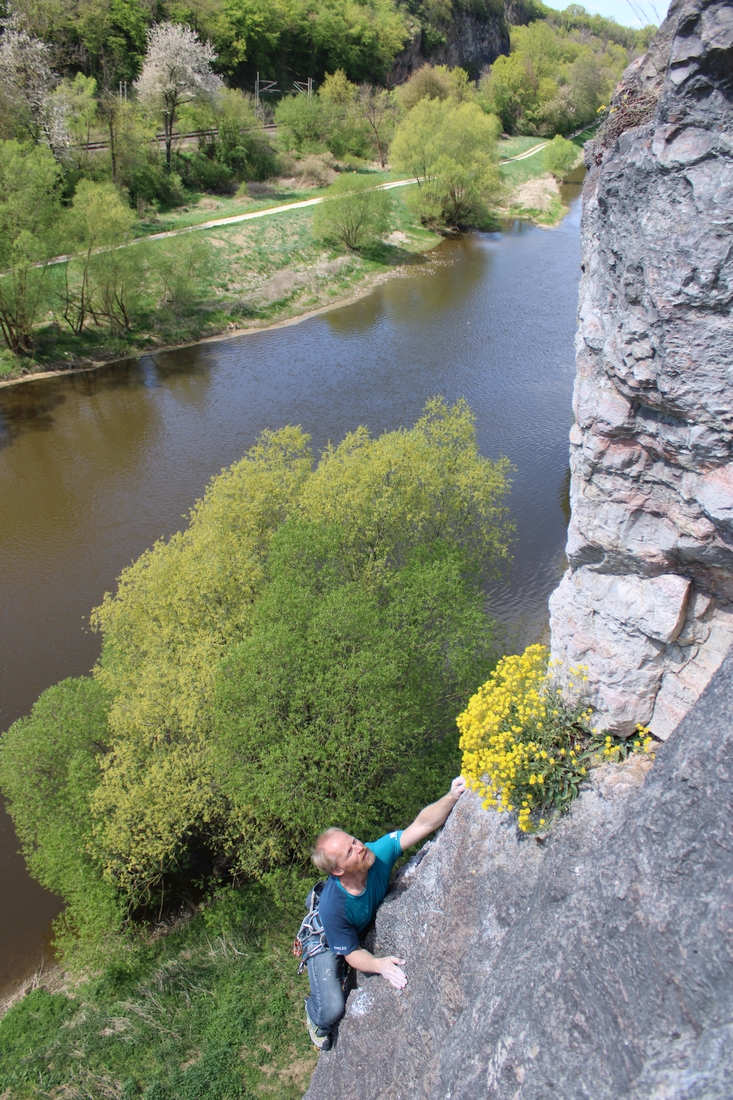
(258, 267)
(252, 275)
(363, 287)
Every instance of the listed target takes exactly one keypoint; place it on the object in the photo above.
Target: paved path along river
(95, 466)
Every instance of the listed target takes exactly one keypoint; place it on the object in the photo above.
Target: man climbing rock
(358, 881)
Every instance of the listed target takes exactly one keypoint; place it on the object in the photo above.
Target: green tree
(182, 266)
(241, 143)
(556, 75)
(353, 213)
(29, 209)
(451, 148)
(339, 706)
(98, 220)
(306, 122)
(49, 767)
(510, 90)
(560, 156)
(283, 38)
(311, 624)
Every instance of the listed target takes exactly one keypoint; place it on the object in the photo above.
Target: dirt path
(232, 219)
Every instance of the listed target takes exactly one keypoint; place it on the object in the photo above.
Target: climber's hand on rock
(390, 969)
(458, 787)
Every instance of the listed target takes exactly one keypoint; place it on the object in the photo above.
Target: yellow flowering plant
(527, 746)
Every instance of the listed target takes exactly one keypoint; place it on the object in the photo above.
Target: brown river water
(95, 466)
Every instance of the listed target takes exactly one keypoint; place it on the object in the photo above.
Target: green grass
(519, 171)
(202, 208)
(212, 1011)
(520, 143)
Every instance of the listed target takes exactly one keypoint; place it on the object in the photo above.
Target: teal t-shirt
(344, 915)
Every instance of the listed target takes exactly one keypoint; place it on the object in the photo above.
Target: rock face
(471, 41)
(595, 965)
(647, 600)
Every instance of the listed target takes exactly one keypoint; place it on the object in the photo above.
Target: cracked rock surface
(596, 964)
(647, 600)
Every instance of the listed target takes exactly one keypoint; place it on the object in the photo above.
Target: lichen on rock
(651, 533)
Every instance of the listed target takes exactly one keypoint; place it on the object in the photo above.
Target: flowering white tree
(27, 83)
(176, 70)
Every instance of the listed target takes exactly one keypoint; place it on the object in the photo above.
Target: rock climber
(358, 881)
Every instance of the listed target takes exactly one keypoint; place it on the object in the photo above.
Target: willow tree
(450, 146)
(177, 70)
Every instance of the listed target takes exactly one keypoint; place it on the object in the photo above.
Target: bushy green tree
(49, 767)
(451, 148)
(305, 123)
(280, 38)
(337, 707)
(560, 156)
(181, 266)
(354, 213)
(556, 75)
(29, 210)
(98, 220)
(241, 143)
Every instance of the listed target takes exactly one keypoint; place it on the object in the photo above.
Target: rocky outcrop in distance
(593, 964)
(647, 599)
(470, 41)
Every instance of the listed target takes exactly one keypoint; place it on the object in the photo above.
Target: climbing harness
(311, 938)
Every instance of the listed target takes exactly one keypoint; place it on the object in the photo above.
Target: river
(95, 466)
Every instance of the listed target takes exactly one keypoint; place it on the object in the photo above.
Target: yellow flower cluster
(527, 747)
(518, 737)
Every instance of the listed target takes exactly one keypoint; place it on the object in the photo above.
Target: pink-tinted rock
(652, 477)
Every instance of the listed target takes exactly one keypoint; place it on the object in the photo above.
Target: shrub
(560, 156)
(192, 603)
(202, 173)
(525, 747)
(183, 267)
(311, 626)
(353, 213)
(316, 170)
(241, 143)
(304, 123)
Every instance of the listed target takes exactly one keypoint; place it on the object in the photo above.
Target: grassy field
(212, 1011)
(513, 146)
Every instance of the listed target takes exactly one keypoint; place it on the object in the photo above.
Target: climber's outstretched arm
(433, 816)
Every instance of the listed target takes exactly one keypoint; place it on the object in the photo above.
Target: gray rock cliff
(471, 41)
(647, 600)
(594, 965)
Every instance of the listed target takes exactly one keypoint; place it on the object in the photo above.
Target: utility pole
(262, 87)
(305, 87)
